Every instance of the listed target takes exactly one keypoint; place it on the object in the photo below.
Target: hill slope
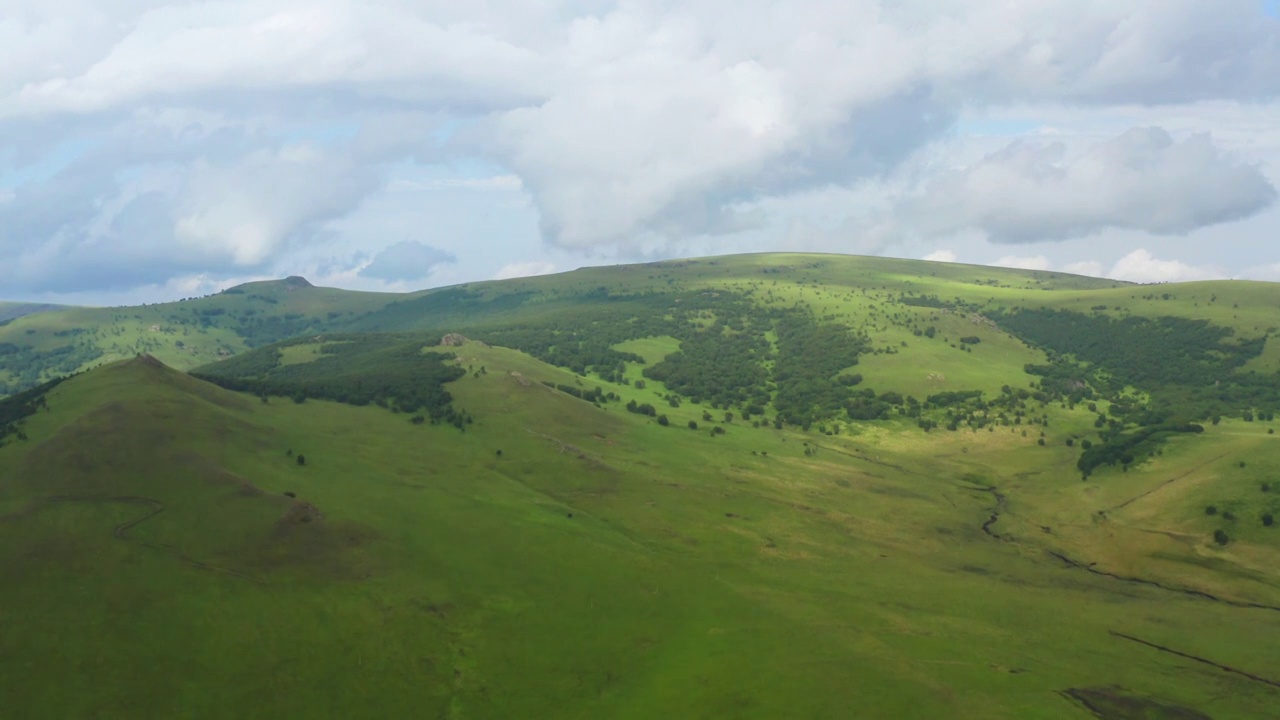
(558, 557)
(196, 331)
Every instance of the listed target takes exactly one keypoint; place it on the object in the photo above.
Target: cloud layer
(140, 141)
(1141, 180)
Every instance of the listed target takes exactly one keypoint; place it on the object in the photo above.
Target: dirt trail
(1196, 658)
(1153, 583)
(1165, 484)
(121, 531)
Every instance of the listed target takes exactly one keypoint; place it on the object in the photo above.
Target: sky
(151, 151)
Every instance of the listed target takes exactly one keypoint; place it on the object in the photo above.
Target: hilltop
(194, 332)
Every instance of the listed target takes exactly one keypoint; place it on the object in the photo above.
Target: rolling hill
(748, 487)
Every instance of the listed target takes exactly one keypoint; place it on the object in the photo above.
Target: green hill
(749, 487)
(10, 311)
(197, 331)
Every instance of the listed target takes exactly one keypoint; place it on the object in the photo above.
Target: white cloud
(1037, 262)
(496, 182)
(187, 49)
(524, 269)
(406, 260)
(1270, 273)
(631, 126)
(1092, 268)
(945, 256)
(1141, 180)
(1142, 267)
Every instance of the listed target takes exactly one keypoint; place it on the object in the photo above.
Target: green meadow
(769, 542)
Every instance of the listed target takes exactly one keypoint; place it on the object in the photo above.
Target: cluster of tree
(15, 408)
(596, 395)
(27, 366)
(642, 409)
(866, 405)
(387, 370)
(1188, 366)
(949, 398)
(1125, 447)
(807, 368)
(717, 365)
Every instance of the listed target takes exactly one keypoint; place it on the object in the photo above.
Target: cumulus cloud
(95, 227)
(224, 134)
(1036, 262)
(1091, 268)
(524, 269)
(1141, 180)
(1269, 272)
(407, 260)
(1141, 266)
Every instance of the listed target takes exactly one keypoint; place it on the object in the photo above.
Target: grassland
(164, 553)
(197, 331)
(600, 565)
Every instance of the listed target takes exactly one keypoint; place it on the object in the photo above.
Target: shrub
(663, 421)
(1268, 520)
(1211, 510)
(693, 424)
(1220, 537)
(302, 459)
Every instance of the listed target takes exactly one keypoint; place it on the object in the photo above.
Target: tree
(1220, 537)
(1211, 510)
(1268, 519)
(663, 421)
(302, 459)
(693, 424)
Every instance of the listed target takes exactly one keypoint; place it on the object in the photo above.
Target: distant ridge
(12, 311)
(289, 284)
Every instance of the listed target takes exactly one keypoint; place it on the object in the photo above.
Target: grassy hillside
(10, 311)
(749, 487)
(183, 334)
(165, 553)
(197, 331)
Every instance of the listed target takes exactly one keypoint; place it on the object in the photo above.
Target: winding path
(155, 507)
(1196, 658)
